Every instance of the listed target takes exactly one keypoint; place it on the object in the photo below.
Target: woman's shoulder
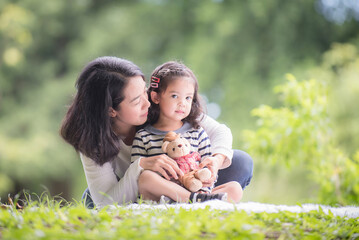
(88, 163)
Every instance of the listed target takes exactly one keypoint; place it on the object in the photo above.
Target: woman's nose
(146, 102)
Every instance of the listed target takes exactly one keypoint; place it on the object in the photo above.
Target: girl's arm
(221, 141)
(103, 184)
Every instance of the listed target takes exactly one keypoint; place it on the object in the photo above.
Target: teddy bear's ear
(164, 146)
(170, 136)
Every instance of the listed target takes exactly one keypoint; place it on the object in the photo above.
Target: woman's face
(133, 110)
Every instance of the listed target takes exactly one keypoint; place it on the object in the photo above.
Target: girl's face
(176, 101)
(133, 110)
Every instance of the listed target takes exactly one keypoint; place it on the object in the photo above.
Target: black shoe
(202, 197)
(166, 200)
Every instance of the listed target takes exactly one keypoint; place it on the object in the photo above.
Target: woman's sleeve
(221, 139)
(104, 187)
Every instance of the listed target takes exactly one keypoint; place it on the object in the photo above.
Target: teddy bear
(179, 149)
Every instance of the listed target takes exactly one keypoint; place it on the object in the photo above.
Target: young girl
(175, 106)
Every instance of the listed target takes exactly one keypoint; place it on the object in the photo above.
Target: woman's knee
(243, 161)
(241, 169)
(244, 164)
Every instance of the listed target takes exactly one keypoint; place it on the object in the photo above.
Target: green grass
(53, 219)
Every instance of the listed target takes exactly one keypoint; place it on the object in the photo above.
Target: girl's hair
(87, 124)
(161, 77)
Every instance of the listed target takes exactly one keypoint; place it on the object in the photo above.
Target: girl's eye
(188, 98)
(174, 96)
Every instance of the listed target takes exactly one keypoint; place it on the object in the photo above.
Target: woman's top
(117, 181)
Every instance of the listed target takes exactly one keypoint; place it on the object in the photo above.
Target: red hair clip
(154, 82)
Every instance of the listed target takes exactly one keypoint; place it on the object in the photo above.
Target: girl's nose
(181, 102)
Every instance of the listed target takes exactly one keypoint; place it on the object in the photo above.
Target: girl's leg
(152, 186)
(233, 189)
(146, 182)
(241, 170)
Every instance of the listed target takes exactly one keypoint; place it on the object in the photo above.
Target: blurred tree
(340, 66)
(303, 130)
(238, 49)
(35, 36)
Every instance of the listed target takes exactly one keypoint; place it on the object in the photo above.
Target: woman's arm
(221, 141)
(103, 184)
(162, 164)
(104, 187)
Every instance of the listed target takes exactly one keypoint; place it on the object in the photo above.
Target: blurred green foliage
(47, 218)
(238, 50)
(303, 129)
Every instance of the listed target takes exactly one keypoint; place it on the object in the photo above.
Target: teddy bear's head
(175, 146)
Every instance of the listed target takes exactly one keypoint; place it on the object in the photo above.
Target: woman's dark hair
(87, 124)
(161, 77)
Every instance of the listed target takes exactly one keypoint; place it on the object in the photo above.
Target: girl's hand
(213, 164)
(162, 164)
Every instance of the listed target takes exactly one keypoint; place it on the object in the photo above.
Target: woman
(111, 101)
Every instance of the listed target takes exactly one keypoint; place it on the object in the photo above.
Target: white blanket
(349, 211)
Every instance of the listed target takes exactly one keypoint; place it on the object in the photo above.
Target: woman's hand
(162, 164)
(213, 164)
